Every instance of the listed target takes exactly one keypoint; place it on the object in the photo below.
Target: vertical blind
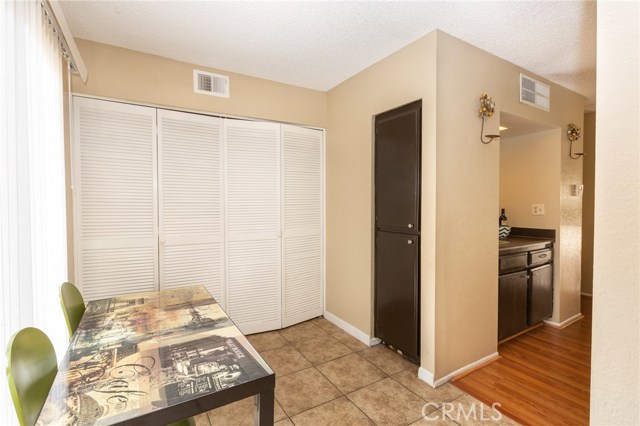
(33, 242)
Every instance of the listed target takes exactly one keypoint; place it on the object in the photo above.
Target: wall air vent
(534, 93)
(208, 83)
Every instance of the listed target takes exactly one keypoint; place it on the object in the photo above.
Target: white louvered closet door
(191, 245)
(253, 224)
(302, 219)
(115, 200)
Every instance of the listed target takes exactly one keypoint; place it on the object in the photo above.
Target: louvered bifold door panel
(115, 203)
(253, 224)
(302, 210)
(190, 196)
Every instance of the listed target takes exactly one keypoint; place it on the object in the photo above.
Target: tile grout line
(342, 394)
(311, 408)
(352, 352)
(316, 406)
(360, 409)
(371, 384)
(311, 362)
(412, 392)
(398, 382)
(289, 343)
(292, 372)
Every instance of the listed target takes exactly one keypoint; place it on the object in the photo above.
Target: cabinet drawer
(513, 262)
(540, 256)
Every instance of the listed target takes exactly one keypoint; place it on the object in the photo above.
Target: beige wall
(530, 174)
(126, 74)
(467, 204)
(589, 161)
(460, 190)
(472, 70)
(401, 78)
(460, 198)
(138, 77)
(566, 107)
(468, 200)
(615, 362)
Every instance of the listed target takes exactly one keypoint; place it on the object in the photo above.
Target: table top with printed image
(155, 358)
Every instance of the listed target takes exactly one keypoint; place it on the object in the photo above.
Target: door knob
(410, 225)
(409, 242)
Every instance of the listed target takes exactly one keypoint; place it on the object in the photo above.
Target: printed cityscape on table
(139, 353)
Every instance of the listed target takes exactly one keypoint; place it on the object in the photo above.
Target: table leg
(263, 414)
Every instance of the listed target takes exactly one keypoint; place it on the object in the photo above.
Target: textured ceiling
(319, 44)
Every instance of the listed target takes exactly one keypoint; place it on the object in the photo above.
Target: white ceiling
(319, 44)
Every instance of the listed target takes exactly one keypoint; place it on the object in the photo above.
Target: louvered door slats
(252, 178)
(303, 272)
(302, 224)
(191, 222)
(254, 278)
(235, 205)
(253, 224)
(116, 210)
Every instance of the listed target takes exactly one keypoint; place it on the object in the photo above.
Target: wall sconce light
(573, 133)
(487, 108)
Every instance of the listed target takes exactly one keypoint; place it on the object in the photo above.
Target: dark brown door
(397, 168)
(396, 314)
(397, 239)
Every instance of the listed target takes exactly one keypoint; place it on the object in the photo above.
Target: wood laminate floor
(542, 377)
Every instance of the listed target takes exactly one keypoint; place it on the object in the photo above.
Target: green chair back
(31, 368)
(72, 306)
(186, 422)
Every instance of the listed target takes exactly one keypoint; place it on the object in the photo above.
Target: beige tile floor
(326, 377)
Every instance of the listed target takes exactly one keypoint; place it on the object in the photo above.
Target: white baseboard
(566, 322)
(355, 332)
(586, 294)
(427, 376)
(466, 368)
(423, 374)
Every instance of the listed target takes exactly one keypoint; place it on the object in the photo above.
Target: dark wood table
(155, 358)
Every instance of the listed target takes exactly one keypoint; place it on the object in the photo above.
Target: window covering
(33, 246)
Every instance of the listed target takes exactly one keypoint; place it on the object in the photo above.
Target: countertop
(519, 244)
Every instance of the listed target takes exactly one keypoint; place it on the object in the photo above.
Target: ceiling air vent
(534, 93)
(210, 84)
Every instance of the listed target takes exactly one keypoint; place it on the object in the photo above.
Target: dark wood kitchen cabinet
(540, 293)
(512, 305)
(525, 295)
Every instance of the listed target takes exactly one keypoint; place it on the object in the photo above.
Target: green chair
(186, 422)
(72, 306)
(31, 368)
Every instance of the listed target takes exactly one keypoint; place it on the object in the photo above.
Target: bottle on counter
(503, 218)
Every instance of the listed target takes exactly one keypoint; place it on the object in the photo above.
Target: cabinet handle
(410, 225)
(409, 242)
(542, 256)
